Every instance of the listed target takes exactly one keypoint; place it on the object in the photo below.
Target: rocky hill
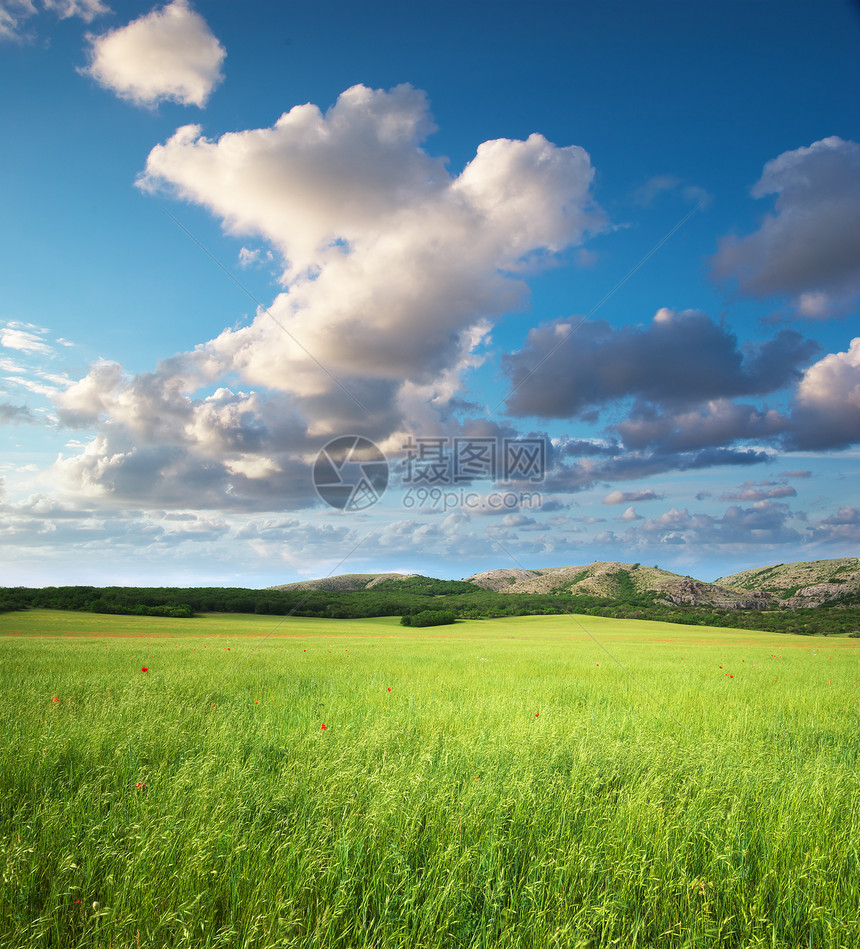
(783, 586)
(801, 585)
(613, 579)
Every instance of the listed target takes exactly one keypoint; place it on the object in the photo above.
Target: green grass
(520, 785)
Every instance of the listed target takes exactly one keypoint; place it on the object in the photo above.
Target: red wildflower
(322, 727)
(144, 669)
(389, 688)
(536, 714)
(140, 784)
(56, 699)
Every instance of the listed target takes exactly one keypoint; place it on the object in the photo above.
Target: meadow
(238, 781)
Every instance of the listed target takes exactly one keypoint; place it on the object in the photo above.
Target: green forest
(415, 595)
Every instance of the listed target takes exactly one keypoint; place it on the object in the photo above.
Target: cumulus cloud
(394, 271)
(679, 357)
(159, 443)
(168, 54)
(826, 413)
(809, 248)
(394, 267)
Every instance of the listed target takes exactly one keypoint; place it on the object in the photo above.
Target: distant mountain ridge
(801, 585)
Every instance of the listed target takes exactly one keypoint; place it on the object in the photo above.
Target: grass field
(524, 782)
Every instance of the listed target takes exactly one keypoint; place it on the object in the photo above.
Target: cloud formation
(168, 54)
(16, 14)
(627, 497)
(24, 337)
(809, 248)
(160, 444)
(13, 414)
(826, 413)
(679, 358)
(394, 271)
(394, 267)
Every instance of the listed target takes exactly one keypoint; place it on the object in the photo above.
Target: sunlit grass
(525, 782)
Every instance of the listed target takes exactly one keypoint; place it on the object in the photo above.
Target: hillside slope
(344, 582)
(614, 579)
(802, 585)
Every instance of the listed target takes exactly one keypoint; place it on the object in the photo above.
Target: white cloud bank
(394, 272)
(168, 54)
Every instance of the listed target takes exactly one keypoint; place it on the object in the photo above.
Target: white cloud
(22, 337)
(14, 14)
(395, 271)
(626, 497)
(87, 10)
(168, 54)
(391, 262)
(254, 258)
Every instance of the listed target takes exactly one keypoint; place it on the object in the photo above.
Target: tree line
(416, 595)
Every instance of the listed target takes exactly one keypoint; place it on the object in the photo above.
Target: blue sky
(234, 232)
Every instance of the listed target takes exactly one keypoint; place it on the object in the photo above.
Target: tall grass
(518, 786)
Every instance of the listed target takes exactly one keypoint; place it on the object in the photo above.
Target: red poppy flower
(389, 688)
(322, 727)
(144, 669)
(56, 699)
(536, 714)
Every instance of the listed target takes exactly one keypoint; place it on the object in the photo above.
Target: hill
(802, 585)
(619, 580)
(345, 582)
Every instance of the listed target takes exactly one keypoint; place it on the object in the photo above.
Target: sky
(292, 289)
